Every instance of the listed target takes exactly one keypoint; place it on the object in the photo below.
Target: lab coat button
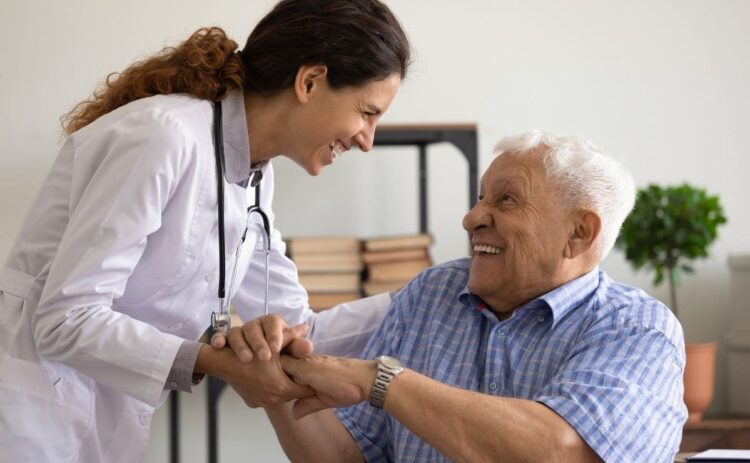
(144, 418)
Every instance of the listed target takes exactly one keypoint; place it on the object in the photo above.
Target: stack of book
(329, 268)
(392, 261)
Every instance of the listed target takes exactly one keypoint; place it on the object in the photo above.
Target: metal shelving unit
(462, 136)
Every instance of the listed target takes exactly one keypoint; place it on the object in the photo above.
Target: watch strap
(388, 368)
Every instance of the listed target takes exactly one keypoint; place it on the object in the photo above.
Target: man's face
(518, 232)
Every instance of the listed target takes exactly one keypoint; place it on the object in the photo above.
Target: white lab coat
(117, 263)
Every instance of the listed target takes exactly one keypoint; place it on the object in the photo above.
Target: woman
(116, 269)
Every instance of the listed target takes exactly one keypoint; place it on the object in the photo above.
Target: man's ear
(308, 80)
(586, 230)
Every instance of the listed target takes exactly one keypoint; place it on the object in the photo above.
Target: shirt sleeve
(368, 425)
(122, 179)
(622, 392)
(181, 377)
(345, 329)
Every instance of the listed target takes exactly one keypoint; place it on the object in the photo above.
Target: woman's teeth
(337, 149)
(484, 248)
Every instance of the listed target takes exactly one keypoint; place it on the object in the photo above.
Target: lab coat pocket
(43, 417)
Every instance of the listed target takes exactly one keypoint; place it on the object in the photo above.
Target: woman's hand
(251, 364)
(263, 337)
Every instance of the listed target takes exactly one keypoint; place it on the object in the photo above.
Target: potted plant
(668, 228)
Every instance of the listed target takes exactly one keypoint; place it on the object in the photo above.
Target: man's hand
(337, 382)
(263, 383)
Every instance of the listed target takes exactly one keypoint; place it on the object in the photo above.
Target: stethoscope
(221, 320)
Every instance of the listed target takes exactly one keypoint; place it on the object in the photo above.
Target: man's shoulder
(444, 281)
(630, 306)
(453, 272)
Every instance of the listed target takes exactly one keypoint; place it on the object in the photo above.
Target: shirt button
(493, 386)
(173, 385)
(540, 318)
(144, 418)
(502, 333)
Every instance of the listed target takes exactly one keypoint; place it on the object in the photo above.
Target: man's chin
(476, 287)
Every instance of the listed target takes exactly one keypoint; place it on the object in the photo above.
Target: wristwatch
(388, 368)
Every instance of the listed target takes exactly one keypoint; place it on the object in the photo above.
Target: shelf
(729, 433)
(462, 136)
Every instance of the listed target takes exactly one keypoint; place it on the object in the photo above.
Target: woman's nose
(365, 138)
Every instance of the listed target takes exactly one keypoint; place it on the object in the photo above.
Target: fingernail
(245, 356)
(265, 354)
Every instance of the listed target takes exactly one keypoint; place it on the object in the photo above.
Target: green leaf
(670, 227)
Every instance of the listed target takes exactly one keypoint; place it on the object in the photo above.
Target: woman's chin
(314, 170)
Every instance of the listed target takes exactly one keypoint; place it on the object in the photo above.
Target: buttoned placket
(495, 362)
(497, 374)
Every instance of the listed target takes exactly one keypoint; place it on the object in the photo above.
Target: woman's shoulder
(158, 133)
(158, 113)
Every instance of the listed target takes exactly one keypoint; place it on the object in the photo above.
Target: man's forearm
(472, 427)
(319, 437)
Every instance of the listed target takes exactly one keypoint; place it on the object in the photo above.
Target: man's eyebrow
(505, 183)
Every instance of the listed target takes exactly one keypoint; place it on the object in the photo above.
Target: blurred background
(661, 84)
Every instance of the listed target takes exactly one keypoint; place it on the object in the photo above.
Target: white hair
(587, 177)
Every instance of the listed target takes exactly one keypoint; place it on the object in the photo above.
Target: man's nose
(476, 218)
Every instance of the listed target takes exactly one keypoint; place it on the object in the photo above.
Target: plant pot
(699, 378)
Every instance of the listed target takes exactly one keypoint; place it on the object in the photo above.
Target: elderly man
(524, 352)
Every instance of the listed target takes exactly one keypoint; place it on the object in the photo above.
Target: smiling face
(519, 231)
(329, 121)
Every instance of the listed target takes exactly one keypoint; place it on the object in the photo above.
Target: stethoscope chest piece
(220, 322)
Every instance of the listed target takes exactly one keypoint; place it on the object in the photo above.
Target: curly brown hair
(205, 66)
(359, 41)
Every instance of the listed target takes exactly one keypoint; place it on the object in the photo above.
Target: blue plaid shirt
(606, 357)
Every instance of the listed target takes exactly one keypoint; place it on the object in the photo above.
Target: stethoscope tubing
(221, 320)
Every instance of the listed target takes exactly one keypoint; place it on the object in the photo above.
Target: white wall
(662, 84)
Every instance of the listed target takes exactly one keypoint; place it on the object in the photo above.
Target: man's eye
(507, 198)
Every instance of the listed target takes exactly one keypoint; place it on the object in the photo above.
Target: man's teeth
(487, 249)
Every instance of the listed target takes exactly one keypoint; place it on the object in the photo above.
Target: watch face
(389, 362)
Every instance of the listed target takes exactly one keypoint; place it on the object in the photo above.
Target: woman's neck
(265, 125)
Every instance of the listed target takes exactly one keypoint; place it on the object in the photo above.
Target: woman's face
(330, 122)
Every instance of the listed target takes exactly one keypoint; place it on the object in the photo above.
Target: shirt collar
(560, 300)
(237, 164)
(572, 294)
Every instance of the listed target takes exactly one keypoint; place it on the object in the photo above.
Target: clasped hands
(269, 363)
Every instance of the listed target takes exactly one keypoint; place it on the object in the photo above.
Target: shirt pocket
(41, 413)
